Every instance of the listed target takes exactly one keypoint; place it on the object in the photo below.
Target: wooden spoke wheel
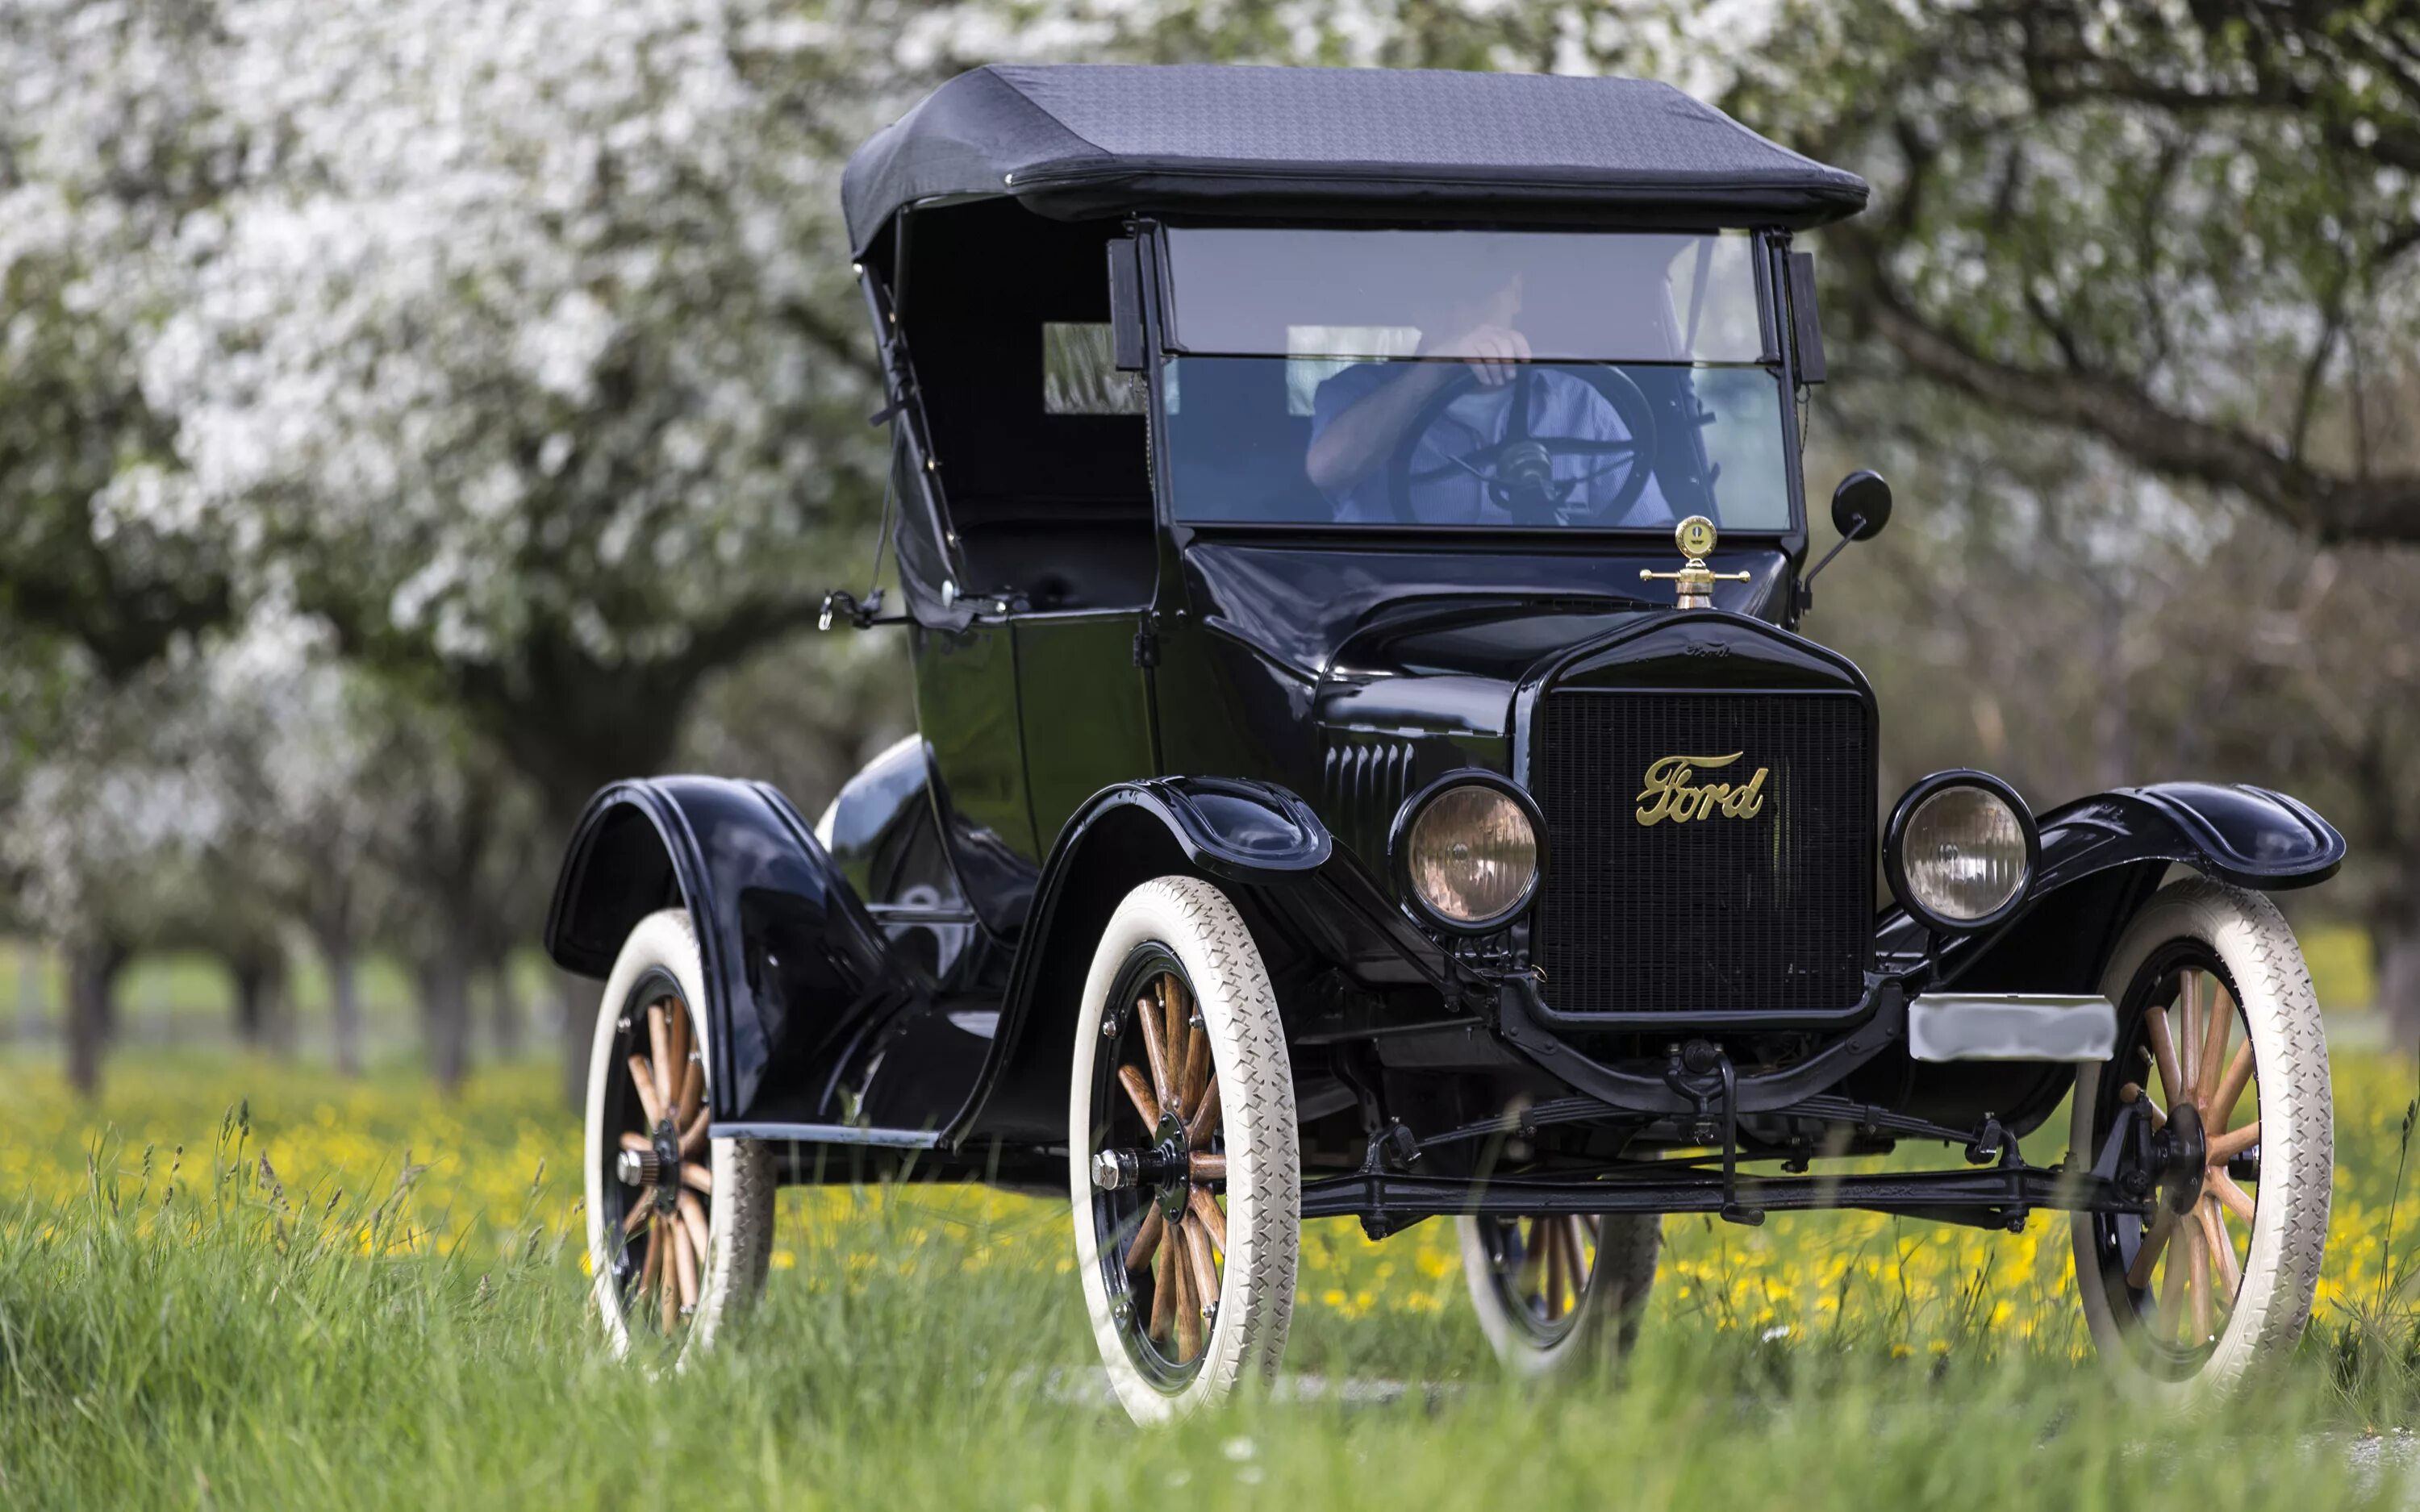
(2215, 1014)
(679, 1224)
(1183, 1156)
(1553, 1289)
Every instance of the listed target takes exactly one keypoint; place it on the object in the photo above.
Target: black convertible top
(1074, 140)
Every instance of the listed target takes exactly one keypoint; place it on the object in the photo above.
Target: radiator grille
(1770, 911)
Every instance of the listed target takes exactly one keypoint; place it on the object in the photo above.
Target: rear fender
(794, 965)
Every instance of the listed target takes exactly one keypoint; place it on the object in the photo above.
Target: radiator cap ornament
(1694, 584)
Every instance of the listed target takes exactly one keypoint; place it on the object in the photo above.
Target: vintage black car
(1336, 794)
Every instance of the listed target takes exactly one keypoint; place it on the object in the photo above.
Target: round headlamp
(1961, 851)
(1468, 847)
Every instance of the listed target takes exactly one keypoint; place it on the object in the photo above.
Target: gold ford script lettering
(1671, 794)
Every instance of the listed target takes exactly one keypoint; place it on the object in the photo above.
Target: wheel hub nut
(639, 1167)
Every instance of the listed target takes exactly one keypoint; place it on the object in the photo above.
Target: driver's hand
(1492, 351)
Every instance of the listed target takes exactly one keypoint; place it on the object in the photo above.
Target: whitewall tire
(1554, 1294)
(680, 1227)
(1181, 1079)
(2215, 1009)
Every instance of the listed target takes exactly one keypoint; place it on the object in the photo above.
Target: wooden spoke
(2164, 1052)
(2188, 1036)
(669, 1312)
(1576, 1237)
(1163, 1291)
(2230, 1197)
(1209, 1167)
(651, 1268)
(2155, 1239)
(1188, 1309)
(1139, 1093)
(642, 1078)
(1155, 1049)
(2133, 1092)
(638, 1144)
(692, 1214)
(1145, 1247)
(2225, 1147)
(2213, 1049)
(1204, 1122)
(2224, 1268)
(2172, 1296)
(676, 1042)
(693, 1091)
(1172, 1007)
(697, 1177)
(643, 1208)
(2198, 1263)
(1206, 1268)
(1197, 1072)
(2231, 1087)
(685, 1264)
(659, 1045)
(692, 1138)
(1206, 1213)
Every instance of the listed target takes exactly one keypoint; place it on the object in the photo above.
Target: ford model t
(1350, 545)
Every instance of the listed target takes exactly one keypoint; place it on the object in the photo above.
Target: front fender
(794, 965)
(1252, 838)
(2244, 835)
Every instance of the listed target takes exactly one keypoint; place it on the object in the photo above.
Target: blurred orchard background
(416, 413)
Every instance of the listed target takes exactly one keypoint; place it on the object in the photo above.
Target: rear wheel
(1553, 1292)
(1183, 1159)
(680, 1227)
(2215, 1013)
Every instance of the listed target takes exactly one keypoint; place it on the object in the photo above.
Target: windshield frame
(1769, 249)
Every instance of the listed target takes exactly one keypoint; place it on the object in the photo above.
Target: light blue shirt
(1559, 406)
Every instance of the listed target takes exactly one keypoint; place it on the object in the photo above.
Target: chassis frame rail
(1999, 1196)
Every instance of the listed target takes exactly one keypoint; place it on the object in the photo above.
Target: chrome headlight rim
(1399, 849)
(1894, 859)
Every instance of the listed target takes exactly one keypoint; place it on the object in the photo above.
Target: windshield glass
(1471, 378)
(1626, 296)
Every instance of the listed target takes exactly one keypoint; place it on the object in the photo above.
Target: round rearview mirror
(1861, 505)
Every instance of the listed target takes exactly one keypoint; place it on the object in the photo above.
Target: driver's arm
(1348, 447)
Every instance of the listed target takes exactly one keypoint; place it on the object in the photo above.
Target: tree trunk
(445, 977)
(504, 1011)
(2395, 946)
(93, 968)
(344, 998)
(29, 992)
(251, 974)
(583, 999)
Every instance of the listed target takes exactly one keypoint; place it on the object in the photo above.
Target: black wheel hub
(2180, 1154)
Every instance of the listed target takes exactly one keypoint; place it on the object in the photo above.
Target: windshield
(1470, 378)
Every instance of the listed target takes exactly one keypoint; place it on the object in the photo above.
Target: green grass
(183, 1328)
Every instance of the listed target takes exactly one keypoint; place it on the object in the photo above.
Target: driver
(1360, 416)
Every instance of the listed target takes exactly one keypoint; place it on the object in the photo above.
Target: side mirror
(1861, 506)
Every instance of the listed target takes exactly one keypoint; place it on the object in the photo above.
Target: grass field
(239, 1283)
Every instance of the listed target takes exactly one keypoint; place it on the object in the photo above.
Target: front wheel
(680, 1227)
(1183, 1162)
(2215, 1013)
(1555, 1293)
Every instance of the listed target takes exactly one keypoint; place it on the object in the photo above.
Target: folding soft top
(1093, 139)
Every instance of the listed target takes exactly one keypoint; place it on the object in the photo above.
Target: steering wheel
(1519, 471)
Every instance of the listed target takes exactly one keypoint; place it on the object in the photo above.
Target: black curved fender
(1252, 838)
(2247, 835)
(796, 970)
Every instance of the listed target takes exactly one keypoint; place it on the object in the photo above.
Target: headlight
(1469, 851)
(1961, 850)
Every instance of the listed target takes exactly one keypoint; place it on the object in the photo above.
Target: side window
(1079, 373)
